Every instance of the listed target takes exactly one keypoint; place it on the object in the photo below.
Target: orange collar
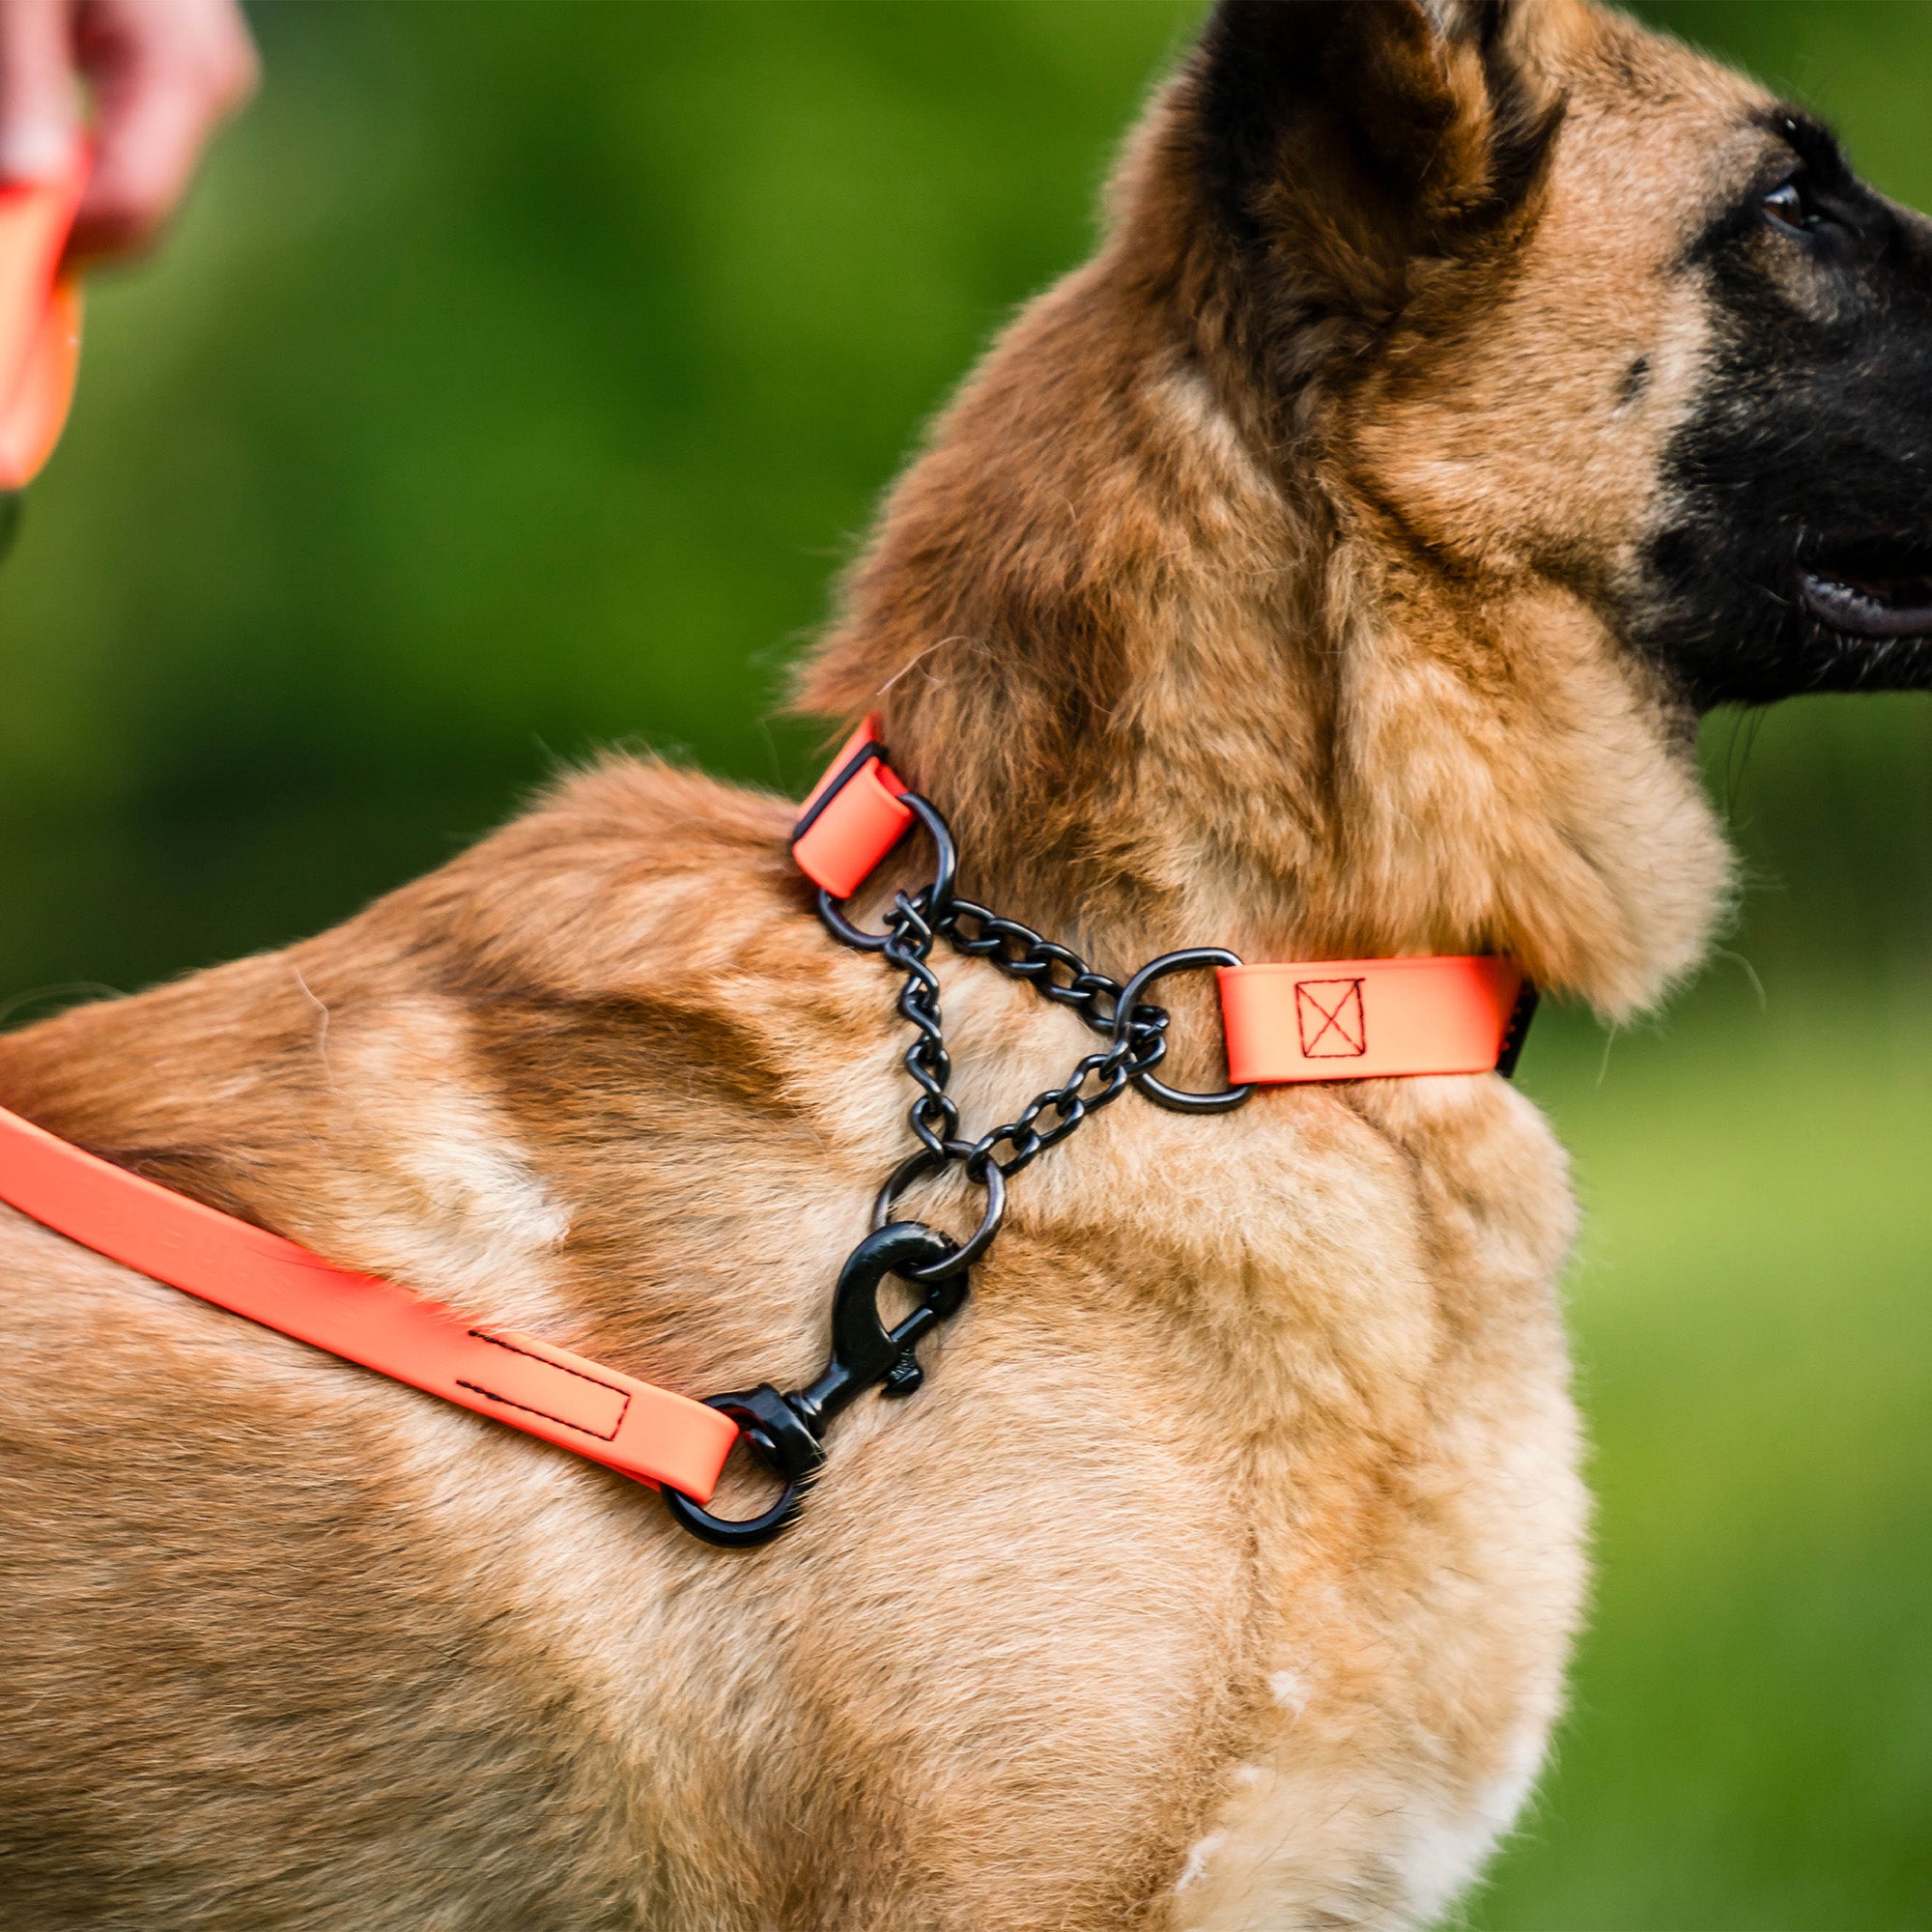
(1329, 1019)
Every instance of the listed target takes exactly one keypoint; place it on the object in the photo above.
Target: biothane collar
(1348, 1020)
(1321, 1019)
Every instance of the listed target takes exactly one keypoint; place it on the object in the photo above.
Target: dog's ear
(1352, 136)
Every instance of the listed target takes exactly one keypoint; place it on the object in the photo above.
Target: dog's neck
(1176, 680)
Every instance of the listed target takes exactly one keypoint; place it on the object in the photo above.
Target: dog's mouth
(1877, 591)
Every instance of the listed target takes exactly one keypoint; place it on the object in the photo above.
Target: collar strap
(546, 1391)
(1371, 1019)
(1332, 1019)
(852, 817)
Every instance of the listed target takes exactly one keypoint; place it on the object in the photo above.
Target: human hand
(161, 73)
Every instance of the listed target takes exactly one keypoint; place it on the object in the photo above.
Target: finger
(147, 143)
(163, 77)
(39, 104)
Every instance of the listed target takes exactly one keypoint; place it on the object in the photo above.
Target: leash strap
(546, 1391)
(658, 1437)
(1330, 1019)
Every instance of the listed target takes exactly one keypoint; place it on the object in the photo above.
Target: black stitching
(562, 1421)
(1332, 1022)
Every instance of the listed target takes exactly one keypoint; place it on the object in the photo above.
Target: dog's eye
(1785, 207)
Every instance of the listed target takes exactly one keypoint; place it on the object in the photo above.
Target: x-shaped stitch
(1329, 1014)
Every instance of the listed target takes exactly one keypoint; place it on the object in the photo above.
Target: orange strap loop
(546, 1391)
(852, 817)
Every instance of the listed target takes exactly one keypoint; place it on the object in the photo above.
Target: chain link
(1021, 953)
(913, 926)
(935, 1117)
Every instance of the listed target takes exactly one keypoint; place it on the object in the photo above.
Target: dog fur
(1310, 573)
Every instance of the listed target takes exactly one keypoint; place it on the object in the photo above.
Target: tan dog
(1334, 566)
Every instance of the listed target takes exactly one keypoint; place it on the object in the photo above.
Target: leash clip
(786, 1432)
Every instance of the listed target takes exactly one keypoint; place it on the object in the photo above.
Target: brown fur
(1224, 1572)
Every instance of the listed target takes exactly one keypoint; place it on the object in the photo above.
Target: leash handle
(40, 319)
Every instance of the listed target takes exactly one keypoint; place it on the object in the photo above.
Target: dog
(1463, 400)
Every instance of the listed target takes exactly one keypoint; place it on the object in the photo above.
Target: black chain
(935, 1117)
(1137, 1044)
(1135, 1048)
(786, 1431)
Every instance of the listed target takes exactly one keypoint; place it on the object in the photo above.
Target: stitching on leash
(530, 1408)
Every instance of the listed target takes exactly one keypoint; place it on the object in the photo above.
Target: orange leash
(39, 319)
(532, 1386)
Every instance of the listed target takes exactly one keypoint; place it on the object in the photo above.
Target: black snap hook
(786, 1432)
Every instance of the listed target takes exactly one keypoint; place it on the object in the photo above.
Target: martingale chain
(786, 1431)
(1136, 1044)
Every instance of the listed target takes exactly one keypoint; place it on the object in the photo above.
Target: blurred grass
(1750, 1742)
(513, 385)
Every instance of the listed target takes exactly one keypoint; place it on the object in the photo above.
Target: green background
(516, 380)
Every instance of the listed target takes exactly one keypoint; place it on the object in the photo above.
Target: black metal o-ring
(735, 1532)
(925, 1161)
(933, 898)
(1176, 1098)
(776, 1435)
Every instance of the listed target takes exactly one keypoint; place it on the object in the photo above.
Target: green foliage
(1751, 1738)
(516, 382)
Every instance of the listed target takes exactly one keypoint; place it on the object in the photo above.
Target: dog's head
(1594, 305)
(1469, 394)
